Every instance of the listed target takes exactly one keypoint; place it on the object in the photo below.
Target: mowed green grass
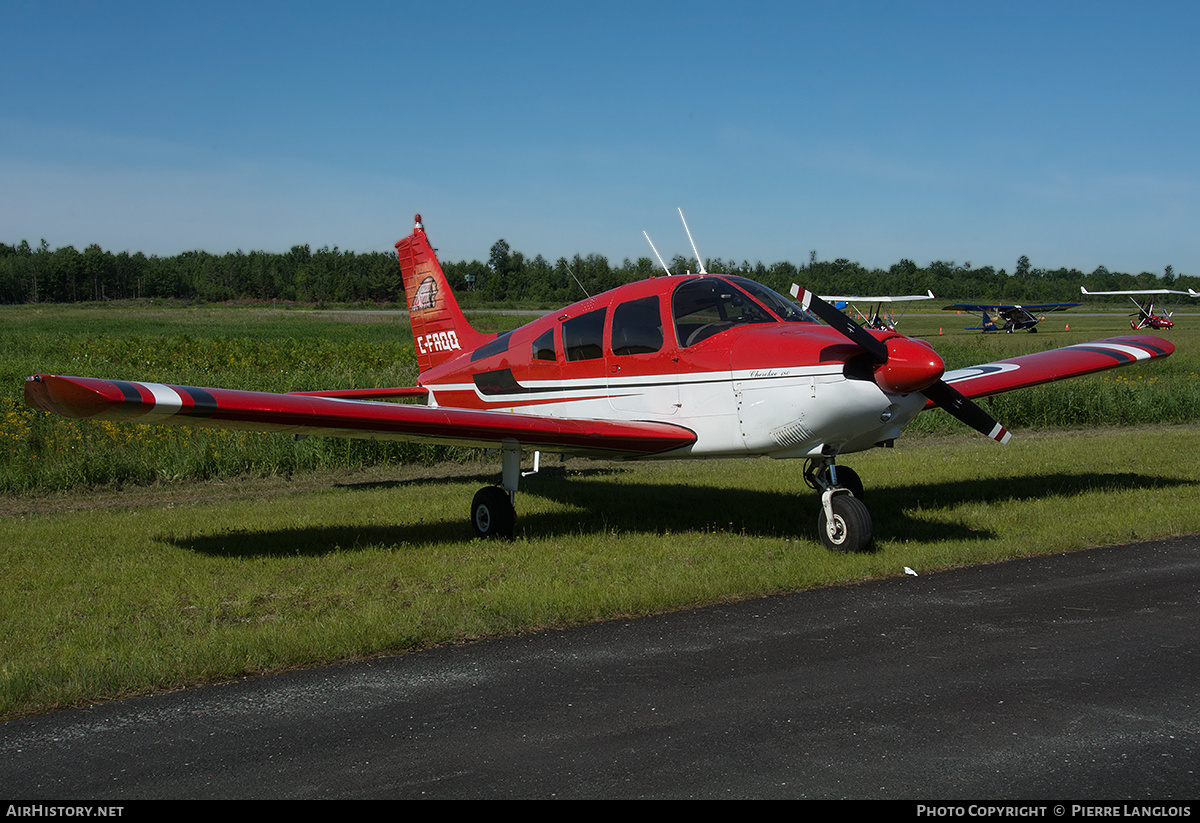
(121, 589)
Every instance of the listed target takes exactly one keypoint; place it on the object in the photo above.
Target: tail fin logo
(426, 297)
(439, 328)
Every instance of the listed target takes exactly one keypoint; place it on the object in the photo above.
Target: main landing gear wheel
(850, 528)
(492, 513)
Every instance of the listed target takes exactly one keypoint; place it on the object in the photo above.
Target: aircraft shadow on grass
(598, 505)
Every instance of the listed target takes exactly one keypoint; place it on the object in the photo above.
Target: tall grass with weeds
(237, 348)
(288, 350)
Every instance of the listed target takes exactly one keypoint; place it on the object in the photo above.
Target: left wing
(343, 414)
(902, 298)
(1056, 364)
(1006, 306)
(1189, 292)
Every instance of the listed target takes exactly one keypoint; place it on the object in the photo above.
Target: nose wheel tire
(850, 529)
(492, 514)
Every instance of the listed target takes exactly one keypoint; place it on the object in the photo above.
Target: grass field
(213, 557)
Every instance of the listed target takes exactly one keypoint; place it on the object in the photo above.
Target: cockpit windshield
(786, 309)
(707, 305)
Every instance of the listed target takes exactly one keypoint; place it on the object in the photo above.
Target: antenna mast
(699, 260)
(656, 254)
(576, 279)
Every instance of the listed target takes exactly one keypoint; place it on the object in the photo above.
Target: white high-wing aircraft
(883, 320)
(1147, 316)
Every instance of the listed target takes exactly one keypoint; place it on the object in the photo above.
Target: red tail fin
(440, 331)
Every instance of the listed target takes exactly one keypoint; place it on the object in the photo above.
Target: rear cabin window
(583, 336)
(543, 347)
(497, 346)
(637, 327)
(708, 305)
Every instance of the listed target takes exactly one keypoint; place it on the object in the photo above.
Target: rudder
(440, 331)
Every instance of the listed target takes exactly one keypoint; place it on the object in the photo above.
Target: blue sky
(872, 131)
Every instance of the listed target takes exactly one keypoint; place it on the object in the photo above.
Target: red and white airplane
(672, 367)
(1147, 316)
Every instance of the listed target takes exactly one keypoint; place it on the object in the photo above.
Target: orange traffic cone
(939, 329)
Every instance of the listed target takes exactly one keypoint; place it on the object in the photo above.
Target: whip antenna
(699, 260)
(576, 279)
(656, 254)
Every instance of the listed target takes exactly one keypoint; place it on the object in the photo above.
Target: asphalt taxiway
(1062, 678)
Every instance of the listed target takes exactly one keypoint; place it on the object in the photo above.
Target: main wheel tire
(851, 529)
(492, 513)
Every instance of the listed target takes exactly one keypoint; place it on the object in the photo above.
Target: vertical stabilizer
(440, 331)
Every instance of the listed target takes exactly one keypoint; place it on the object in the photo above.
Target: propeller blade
(953, 401)
(842, 322)
(903, 364)
(939, 391)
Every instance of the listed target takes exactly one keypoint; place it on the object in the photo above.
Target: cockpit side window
(637, 327)
(708, 305)
(583, 336)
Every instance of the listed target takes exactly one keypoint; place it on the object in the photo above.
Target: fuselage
(733, 361)
(1148, 319)
(1013, 319)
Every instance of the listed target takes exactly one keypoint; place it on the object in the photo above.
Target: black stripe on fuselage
(503, 383)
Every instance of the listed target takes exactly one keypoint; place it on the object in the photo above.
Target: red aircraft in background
(1147, 317)
(667, 368)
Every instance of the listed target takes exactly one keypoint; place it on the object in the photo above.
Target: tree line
(66, 275)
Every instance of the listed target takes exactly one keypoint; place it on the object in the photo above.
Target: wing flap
(1057, 364)
(129, 401)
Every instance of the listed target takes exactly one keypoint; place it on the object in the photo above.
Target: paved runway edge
(1058, 677)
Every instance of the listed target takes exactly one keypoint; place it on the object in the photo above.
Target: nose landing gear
(843, 524)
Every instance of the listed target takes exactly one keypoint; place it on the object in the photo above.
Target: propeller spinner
(906, 365)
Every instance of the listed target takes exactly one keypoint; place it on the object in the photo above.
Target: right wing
(1057, 364)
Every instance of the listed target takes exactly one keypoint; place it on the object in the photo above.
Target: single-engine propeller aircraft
(879, 318)
(675, 367)
(1147, 317)
(1008, 318)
